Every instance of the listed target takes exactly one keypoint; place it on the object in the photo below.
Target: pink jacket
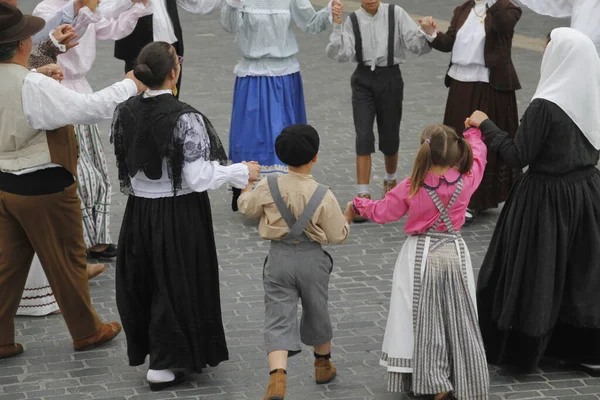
(422, 212)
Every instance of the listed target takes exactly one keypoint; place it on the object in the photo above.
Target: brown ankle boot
(324, 371)
(277, 385)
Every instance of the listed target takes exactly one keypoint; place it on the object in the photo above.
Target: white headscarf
(570, 78)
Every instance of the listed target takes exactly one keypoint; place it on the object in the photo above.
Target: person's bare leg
(278, 359)
(363, 169)
(323, 349)
(391, 164)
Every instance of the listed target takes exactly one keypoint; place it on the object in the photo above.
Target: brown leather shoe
(106, 333)
(11, 350)
(388, 185)
(93, 270)
(277, 385)
(324, 371)
(357, 218)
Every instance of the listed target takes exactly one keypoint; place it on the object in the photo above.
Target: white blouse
(162, 25)
(468, 62)
(585, 14)
(199, 175)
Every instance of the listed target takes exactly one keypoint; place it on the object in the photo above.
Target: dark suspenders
(358, 45)
(391, 31)
(358, 48)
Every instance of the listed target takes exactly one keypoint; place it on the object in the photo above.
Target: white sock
(363, 189)
(390, 177)
(159, 376)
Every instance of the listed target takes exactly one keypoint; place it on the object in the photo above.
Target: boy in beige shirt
(298, 215)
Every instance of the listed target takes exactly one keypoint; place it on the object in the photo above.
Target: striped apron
(432, 342)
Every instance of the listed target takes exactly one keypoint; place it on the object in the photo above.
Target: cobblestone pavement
(360, 285)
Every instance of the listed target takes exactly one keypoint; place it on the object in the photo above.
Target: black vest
(128, 49)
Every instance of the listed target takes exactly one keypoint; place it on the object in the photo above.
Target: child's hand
(476, 119)
(253, 170)
(349, 213)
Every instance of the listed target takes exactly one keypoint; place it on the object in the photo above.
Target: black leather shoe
(236, 196)
(158, 386)
(108, 253)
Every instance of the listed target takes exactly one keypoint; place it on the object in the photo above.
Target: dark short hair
(154, 63)
(8, 51)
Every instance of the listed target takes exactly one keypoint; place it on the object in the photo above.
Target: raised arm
(391, 208)
(309, 20)
(250, 202)
(231, 16)
(413, 38)
(199, 172)
(444, 42)
(551, 8)
(473, 136)
(202, 7)
(504, 15)
(332, 220)
(53, 18)
(115, 28)
(341, 47)
(49, 105)
(530, 139)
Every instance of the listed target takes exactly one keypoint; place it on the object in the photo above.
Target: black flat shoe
(470, 216)
(108, 253)
(236, 196)
(158, 386)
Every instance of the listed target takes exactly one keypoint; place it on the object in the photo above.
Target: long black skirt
(538, 291)
(501, 107)
(168, 283)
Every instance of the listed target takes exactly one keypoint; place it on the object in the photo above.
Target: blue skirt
(262, 107)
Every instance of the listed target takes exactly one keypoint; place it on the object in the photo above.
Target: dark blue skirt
(262, 107)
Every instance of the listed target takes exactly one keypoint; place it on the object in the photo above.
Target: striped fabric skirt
(94, 187)
(432, 342)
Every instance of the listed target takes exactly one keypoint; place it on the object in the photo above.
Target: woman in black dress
(538, 290)
(169, 156)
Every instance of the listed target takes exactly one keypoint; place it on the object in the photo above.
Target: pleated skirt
(167, 283)
(432, 342)
(539, 286)
(501, 107)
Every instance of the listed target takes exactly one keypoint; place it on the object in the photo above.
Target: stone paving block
(360, 283)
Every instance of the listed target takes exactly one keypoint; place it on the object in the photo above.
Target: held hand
(52, 71)
(253, 170)
(477, 118)
(144, 2)
(140, 86)
(349, 212)
(428, 25)
(66, 35)
(336, 12)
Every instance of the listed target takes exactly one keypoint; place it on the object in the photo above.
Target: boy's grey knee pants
(292, 272)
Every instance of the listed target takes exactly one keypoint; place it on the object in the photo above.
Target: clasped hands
(428, 25)
(336, 12)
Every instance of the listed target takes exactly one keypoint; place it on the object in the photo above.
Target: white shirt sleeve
(552, 8)
(199, 173)
(49, 105)
(202, 7)
(341, 47)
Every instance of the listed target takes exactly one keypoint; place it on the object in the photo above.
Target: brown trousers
(51, 226)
